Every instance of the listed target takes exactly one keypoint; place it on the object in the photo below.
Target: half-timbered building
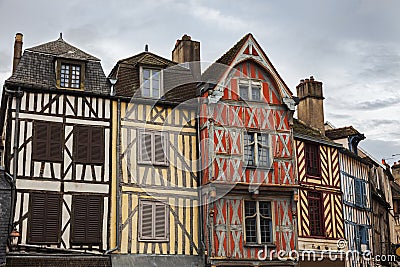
(320, 218)
(57, 152)
(248, 169)
(355, 183)
(155, 202)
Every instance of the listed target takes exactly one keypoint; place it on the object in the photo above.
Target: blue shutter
(364, 194)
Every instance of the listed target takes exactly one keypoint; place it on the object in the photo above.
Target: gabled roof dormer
(247, 49)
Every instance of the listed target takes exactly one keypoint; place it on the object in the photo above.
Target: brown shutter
(160, 221)
(39, 141)
(159, 146)
(81, 140)
(45, 221)
(97, 145)
(87, 219)
(55, 141)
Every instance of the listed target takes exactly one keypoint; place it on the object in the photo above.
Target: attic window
(151, 82)
(70, 76)
(250, 90)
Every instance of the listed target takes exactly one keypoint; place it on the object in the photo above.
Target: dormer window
(250, 90)
(70, 76)
(151, 82)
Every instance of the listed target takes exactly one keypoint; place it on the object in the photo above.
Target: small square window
(153, 147)
(256, 149)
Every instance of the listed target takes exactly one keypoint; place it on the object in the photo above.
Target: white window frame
(256, 145)
(142, 68)
(152, 152)
(258, 222)
(250, 83)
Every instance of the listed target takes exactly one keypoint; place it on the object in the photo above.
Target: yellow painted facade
(174, 184)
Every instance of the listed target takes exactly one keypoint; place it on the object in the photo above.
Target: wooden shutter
(358, 192)
(145, 145)
(81, 140)
(87, 219)
(160, 215)
(146, 220)
(44, 221)
(153, 221)
(39, 151)
(97, 145)
(55, 141)
(159, 146)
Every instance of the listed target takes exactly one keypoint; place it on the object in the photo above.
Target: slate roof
(304, 131)
(339, 133)
(36, 68)
(178, 82)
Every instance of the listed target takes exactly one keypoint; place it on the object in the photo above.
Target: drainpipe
(117, 210)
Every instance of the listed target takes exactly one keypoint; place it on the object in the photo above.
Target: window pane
(315, 214)
(146, 74)
(249, 149)
(250, 208)
(251, 230)
(265, 209)
(244, 92)
(266, 235)
(255, 93)
(156, 93)
(156, 75)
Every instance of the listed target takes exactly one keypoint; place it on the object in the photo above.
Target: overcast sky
(353, 47)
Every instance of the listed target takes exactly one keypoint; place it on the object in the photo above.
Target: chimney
(187, 50)
(17, 50)
(396, 172)
(310, 109)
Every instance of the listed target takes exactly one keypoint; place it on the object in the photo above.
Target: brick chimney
(187, 50)
(311, 103)
(17, 50)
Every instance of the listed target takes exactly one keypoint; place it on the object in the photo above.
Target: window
(256, 149)
(44, 218)
(70, 76)
(258, 222)
(250, 90)
(313, 165)
(151, 83)
(361, 237)
(153, 221)
(315, 213)
(360, 193)
(151, 148)
(48, 140)
(89, 144)
(87, 214)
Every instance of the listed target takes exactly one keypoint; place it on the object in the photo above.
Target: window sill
(313, 176)
(258, 168)
(153, 164)
(153, 240)
(270, 245)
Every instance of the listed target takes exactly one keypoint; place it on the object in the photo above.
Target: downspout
(199, 181)
(18, 96)
(117, 209)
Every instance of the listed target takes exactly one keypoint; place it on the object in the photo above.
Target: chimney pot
(307, 80)
(17, 50)
(146, 48)
(302, 81)
(312, 78)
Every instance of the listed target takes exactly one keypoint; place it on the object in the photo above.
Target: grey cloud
(378, 103)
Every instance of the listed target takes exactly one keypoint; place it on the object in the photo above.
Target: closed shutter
(358, 192)
(145, 147)
(55, 141)
(160, 221)
(87, 219)
(39, 141)
(159, 146)
(153, 221)
(97, 145)
(81, 140)
(45, 213)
